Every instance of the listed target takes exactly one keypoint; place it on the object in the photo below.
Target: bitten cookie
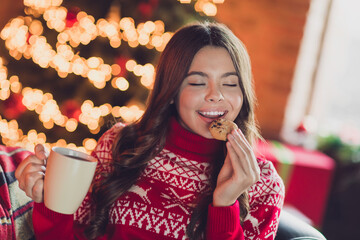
(220, 128)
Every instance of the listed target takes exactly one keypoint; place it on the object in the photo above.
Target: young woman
(165, 177)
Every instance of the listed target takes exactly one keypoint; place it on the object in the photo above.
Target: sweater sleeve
(48, 224)
(223, 223)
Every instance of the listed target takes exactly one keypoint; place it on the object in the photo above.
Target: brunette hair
(138, 143)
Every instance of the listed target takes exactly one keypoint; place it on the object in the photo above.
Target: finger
(25, 178)
(238, 145)
(30, 180)
(38, 191)
(31, 159)
(240, 138)
(245, 159)
(239, 133)
(243, 177)
(237, 165)
(27, 174)
(41, 151)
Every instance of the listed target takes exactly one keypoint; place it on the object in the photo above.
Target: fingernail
(43, 168)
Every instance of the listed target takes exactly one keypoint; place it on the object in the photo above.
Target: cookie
(220, 128)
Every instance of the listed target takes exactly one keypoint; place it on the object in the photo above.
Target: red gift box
(307, 176)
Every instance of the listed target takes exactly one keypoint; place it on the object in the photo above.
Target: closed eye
(197, 84)
(230, 85)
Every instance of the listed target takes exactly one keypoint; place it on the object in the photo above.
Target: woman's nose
(214, 94)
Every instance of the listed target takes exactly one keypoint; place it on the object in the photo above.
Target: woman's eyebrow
(205, 75)
(229, 74)
(196, 73)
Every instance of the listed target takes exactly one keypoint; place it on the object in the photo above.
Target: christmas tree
(69, 69)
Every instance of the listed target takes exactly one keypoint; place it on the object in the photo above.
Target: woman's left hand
(239, 172)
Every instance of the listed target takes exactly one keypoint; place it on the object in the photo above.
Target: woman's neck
(190, 145)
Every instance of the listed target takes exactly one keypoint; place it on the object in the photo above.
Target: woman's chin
(207, 135)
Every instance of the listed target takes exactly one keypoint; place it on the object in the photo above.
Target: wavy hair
(138, 143)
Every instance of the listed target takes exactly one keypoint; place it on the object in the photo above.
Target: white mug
(68, 177)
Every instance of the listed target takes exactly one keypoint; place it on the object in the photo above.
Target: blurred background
(69, 69)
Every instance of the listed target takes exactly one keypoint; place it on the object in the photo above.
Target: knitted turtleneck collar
(190, 145)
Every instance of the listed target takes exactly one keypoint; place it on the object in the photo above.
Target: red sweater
(160, 204)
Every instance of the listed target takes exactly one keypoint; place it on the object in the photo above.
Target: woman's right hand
(239, 172)
(30, 173)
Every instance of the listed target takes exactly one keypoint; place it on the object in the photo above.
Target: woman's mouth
(212, 114)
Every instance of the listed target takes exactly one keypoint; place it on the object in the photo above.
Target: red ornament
(13, 106)
(71, 109)
(301, 128)
(28, 35)
(71, 17)
(146, 8)
(121, 61)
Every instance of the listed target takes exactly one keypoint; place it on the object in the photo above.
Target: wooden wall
(10, 9)
(272, 31)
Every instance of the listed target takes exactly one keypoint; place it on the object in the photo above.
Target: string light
(48, 110)
(24, 38)
(208, 7)
(27, 41)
